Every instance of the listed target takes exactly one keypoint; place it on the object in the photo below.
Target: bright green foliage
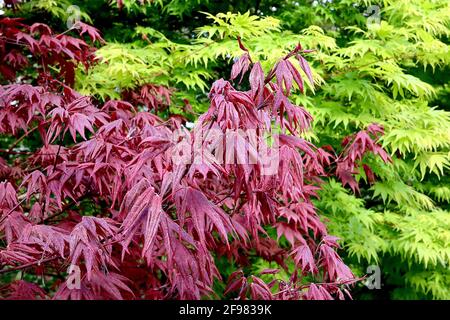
(64, 10)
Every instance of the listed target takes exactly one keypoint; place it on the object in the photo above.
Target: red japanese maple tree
(167, 201)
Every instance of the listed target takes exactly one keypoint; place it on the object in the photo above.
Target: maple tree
(142, 205)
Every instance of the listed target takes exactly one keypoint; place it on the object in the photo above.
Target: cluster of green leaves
(393, 71)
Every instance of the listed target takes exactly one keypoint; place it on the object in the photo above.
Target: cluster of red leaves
(59, 51)
(355, 147)
(156, 225)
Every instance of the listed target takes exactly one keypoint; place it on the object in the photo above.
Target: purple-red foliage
(158, 225)
(18, 41)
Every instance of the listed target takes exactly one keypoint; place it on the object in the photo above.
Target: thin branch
(23, 137)
(16, 152)
(12, 210)
(27, 265)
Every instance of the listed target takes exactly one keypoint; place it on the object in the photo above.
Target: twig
(27, 265)
(12, 210)
(23, 137)
(15, 152)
